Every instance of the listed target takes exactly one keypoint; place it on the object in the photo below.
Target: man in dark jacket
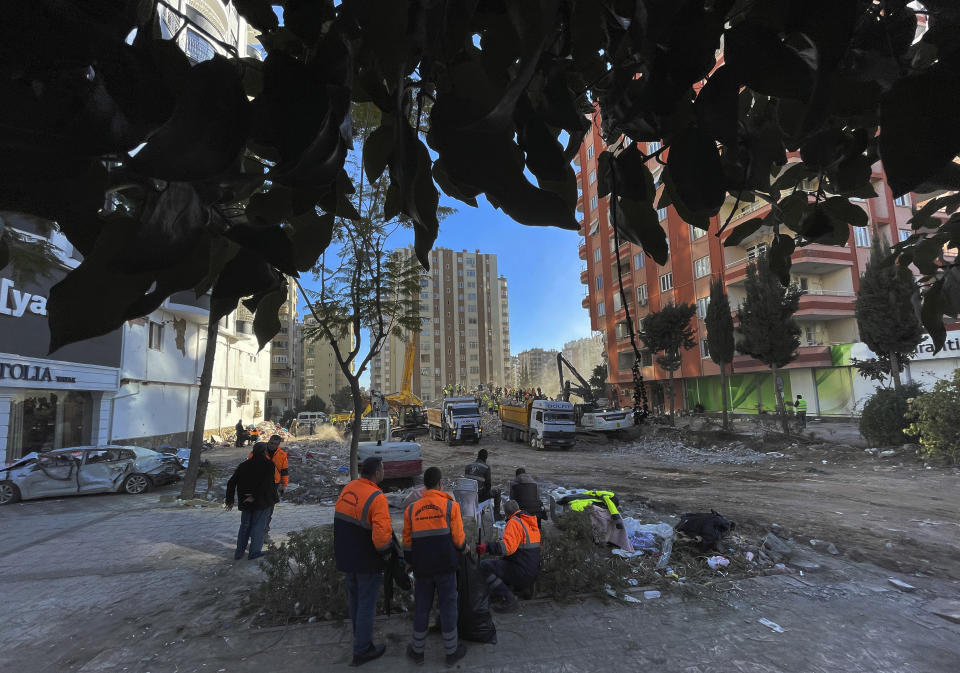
(242, 434)
(362, 537)
(525, 491)
(479, 471)
(252, 483)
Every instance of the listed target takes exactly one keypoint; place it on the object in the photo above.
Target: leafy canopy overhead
(503, 89)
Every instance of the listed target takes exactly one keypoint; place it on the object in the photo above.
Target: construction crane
(588, 414)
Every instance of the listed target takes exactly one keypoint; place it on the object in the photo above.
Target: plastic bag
(474, 622)
(661, 530)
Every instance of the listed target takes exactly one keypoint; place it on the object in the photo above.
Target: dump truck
(543, 424)
(457, 420)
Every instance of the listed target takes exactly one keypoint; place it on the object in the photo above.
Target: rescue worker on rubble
(432, 537)
(801, 406)
(281, 470)
(520, 548)
(362, 536)
(479, 471)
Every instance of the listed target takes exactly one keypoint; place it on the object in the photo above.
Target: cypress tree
(667, 331)
(720, 341)
(887, 321)
(767, 329)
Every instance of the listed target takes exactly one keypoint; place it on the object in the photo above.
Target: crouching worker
(432, 539)
(520, 548)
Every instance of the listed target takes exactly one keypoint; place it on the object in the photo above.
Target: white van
(311, 417)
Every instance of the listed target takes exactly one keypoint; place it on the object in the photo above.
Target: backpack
(709, 528)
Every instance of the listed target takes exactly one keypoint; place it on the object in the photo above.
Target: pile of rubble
(675, 450)
(318, 470)
(492, 427)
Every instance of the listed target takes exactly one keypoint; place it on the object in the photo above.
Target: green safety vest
(801, 405)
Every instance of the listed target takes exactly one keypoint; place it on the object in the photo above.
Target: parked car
(87, 469)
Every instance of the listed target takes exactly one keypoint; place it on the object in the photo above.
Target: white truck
(401, 460)
(543, 424)
(457, 420)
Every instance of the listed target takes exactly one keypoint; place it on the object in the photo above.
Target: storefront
(56, 400)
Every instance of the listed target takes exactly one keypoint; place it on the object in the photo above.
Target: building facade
(538, 369)
(830, 275)
(465, 338)
(585, 354)
(284, 362)
(136, 385)
(321, 373)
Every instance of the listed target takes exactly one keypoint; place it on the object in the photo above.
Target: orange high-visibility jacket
(281, 471)
(520, 546)
(433, 534)
(362, 532)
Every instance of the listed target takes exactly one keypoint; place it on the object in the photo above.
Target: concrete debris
(832, 549)
(671, 449)
(889, 453)
(777, 546)
(651, 594)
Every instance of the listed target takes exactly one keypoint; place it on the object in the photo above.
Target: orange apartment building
(829, 274)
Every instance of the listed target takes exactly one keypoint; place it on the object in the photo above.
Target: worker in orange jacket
(520, 548)
(362, 537)
(281, 470)
(432, 537)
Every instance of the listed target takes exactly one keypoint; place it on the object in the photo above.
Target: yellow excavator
(405, 407)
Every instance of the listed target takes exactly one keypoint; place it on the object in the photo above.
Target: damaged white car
(86, 469)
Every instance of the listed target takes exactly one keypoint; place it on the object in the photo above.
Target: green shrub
(574, 561)
(302, 570)
(935, 420)
(882, 421)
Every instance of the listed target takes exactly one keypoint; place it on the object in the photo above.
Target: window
(653, 147)
(470, 283)
(617, 303)
(590, 152)
(596, 255)
(625, 360)
(593, 177)
(861, 236)
(424, 283)
(701, 267)
(638, 260)
(755, 251)
(594, 227)
(599, 282)
(704, 351)
(904, 234)
(661, 214)
(472, 296)
(666, 282)
(902, 200)
(646, 359)
(156, 336)
(424, 295)
(474, 370)
(810, 333)
(696, 232)
(594, 202)
(472, 308)
(198, 49)
(471, 272)
(702, 304)
(425, 357)
(471, 261)
(602, 308)
(642, 294)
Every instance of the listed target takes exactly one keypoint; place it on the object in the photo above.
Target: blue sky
(540, 264)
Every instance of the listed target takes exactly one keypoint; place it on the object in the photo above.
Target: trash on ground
(773, 626)
(717, 562)
(902, 586)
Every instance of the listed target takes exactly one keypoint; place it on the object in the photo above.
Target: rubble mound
(676, 450)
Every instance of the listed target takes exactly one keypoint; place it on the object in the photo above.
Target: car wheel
(136, 484)
(9, 493)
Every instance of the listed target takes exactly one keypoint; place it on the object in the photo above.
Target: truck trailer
(457, 420)
(543, 424)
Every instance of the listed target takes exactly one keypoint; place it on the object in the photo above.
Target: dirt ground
(891, 511)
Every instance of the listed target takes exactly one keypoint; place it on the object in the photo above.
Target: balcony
(813, 259)
(584, 277)
(826, 305)
(582, 251)
(807, 356)
(585, 302)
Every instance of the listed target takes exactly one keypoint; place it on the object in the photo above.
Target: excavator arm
(582, 391)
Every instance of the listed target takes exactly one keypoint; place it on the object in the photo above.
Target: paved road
(116, 583)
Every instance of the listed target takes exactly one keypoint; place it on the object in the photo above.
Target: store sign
(9, 370)
(14, 302)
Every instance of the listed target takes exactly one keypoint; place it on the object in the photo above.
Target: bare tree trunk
(355, 435)
(200, 420)
(672, 404)
(723, 395)
(781, 410)
(895, 370)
